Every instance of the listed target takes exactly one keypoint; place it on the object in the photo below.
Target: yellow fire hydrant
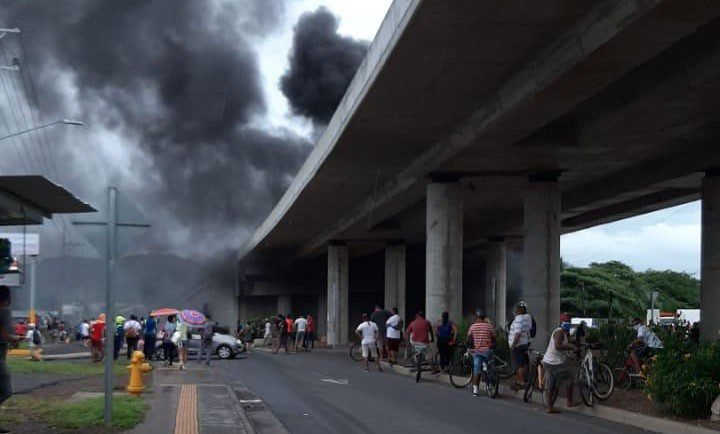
(137, 368)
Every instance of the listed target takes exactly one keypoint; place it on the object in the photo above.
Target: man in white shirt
(132, 335)
(645, 344)
(368, 331)
(85, 332)
(267, 338)
(519, 342)
(300, 328)
(393, 335)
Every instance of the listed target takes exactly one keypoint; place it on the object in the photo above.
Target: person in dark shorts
(380, 317)
(393, 335)
(519, 342)
(284, 334)
(446, 333)
(558, 369)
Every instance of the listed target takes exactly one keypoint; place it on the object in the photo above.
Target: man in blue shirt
(149, 336)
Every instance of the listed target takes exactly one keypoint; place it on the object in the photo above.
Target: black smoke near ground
(322, 64)
(178, 82)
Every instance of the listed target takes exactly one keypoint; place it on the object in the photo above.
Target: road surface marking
(186, 421)
(250, 401)
(342, 381)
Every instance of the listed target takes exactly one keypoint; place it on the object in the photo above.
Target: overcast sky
(667, 239)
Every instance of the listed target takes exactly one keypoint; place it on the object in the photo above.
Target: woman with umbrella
(188, 318)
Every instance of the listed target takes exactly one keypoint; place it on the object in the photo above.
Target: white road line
(342, 381)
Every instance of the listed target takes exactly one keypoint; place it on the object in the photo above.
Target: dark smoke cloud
(322, 64)
(178, 81)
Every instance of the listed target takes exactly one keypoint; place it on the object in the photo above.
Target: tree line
(614, 290)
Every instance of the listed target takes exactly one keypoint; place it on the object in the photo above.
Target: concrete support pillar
(710, 258)
(395, 277)
(337, 295)
(284, 304)
(541, 258)
(444, 250)
(496, 281)
(321, 317)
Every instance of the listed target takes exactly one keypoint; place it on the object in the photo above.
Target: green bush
(614, 339)
(684, 378)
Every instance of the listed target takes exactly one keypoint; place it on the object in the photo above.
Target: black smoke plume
(322, 64)
(178, 81)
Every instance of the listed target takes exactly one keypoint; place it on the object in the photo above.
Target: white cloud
(667, 239)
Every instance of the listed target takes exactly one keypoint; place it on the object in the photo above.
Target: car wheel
(224, 352)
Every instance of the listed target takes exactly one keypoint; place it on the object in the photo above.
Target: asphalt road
(321, 393)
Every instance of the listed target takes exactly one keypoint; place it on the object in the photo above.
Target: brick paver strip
(186, 421)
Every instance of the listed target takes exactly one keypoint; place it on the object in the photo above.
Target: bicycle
(488, 375)
(420, 363)
(594, 378)
(627, 377)
(461, 366)
(536, 376)
(503, 368)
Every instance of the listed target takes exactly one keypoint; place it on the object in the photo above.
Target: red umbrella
(165, 311)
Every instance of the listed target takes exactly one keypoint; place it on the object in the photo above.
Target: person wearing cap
(559, 370)
(420, 333)
(483, 335)
(368, 332)
(519, 342)
(35, 340)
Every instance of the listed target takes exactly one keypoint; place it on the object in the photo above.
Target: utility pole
(112, 224)
(33, 290)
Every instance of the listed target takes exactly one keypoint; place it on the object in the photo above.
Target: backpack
(131, 333)
(533, 327)
(36, 338)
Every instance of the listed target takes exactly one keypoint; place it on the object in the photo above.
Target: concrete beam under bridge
(710, 258)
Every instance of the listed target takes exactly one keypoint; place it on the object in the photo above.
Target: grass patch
(127, 412)
(80, 368)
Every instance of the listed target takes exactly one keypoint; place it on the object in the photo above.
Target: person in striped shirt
(482, 334)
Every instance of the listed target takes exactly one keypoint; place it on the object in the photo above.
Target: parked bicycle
(536, 376)
(594, 378)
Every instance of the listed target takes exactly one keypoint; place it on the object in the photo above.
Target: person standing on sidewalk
(132, 330)
(267, 337)
(85, 332)
(149, 336)
(394, 333)
(300, 328)
(97, 333)
(168, 345)
(368, 332)
(446, 333)
(310, 333)
(206, 340)
(519, 341)
(119, 335)
(380, 317)
(182, 342)
(35, 342)
(559, 370)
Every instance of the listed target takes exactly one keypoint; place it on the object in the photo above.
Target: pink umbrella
(192, 317)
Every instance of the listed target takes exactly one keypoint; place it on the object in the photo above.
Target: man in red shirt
(483, 341)
(420, 333)
(310, 333)
(97, 331)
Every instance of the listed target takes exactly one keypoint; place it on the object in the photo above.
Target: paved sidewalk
(192, 401)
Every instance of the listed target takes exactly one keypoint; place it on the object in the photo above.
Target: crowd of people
(291, 334)
(142, 334)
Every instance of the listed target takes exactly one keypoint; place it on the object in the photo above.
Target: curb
(625, 417)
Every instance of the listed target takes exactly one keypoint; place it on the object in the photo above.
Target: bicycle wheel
(586, 392)
(530, 386)
(460, 372)
(604, 383)
(504, 369)
(409, 355)
(491, 383)
(623, 380)
(356, 352)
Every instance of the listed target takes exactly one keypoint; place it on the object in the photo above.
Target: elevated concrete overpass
(478, 126)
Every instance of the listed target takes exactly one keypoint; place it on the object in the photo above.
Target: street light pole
(110, 302)
(62, 121)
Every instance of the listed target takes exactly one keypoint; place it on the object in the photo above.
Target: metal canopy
(25, 200)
